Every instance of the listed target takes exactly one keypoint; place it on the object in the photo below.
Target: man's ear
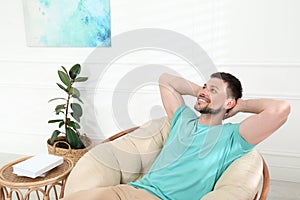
(230, 103)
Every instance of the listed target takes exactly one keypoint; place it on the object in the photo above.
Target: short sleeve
(183, 114)
(183, 122)
(236, 145)
(239, 140)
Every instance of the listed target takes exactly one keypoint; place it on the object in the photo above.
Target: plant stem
(67, 110)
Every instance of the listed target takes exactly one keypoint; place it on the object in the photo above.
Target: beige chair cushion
(241, 180)
(108, 163)
(130, 157)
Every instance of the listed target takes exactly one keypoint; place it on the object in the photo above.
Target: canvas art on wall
(67, 23)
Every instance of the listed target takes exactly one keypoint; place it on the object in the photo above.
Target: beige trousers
(118, 192)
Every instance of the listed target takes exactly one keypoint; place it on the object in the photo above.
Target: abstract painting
(67, 23)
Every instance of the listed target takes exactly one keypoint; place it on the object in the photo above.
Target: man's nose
(205, 91)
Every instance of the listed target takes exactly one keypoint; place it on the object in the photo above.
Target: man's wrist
(242, 105)
(197, 90)
(253, 105)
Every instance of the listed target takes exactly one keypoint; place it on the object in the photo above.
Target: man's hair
(234, 85)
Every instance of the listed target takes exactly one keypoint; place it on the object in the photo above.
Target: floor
(279, 190)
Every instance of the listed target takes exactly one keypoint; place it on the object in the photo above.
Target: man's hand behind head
(234, 110)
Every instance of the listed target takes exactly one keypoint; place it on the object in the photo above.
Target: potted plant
(67, 140)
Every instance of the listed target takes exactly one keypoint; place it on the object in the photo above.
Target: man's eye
(213, 91)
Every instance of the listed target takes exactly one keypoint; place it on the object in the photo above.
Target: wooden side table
(12, 185)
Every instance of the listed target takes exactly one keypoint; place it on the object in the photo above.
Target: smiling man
(199, 148)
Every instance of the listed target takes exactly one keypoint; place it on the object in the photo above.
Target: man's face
(211, 100)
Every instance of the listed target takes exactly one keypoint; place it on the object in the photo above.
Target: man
(199, 149)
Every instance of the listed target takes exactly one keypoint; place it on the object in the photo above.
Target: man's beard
(207, 110)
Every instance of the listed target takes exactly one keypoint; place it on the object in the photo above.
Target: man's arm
(269, 116)
(171, 90)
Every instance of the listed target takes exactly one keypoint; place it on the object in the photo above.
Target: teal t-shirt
(193, 158)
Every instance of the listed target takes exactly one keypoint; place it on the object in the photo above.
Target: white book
(37, 165)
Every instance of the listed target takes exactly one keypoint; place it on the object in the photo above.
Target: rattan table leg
(55, 192)
(1, 193)
(17, 192)
(18, 196)
(63, 185)
(37, 195)
(46, 197)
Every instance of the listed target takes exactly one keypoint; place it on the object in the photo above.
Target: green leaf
(74, 92)
(78, 99)
(54, 136)
(60, 111)
(64, 78)
(61, 124)
(74, 125)
(73, 139)
(81, 79)
(76, 109)
(57, 99)
(64, 69)
(62, 87)
(74, 71)
(76, 117)
(59, 108)
(55, 121)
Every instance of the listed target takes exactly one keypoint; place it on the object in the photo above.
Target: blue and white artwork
(67, 23)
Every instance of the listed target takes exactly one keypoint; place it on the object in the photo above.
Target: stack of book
(37, 165)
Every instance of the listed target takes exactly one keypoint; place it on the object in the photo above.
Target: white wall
(255, 40)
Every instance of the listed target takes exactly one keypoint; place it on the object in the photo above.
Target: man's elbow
(283, 109)
(164, 78)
